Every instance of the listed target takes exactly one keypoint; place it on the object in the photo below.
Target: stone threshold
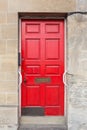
(42, 127)
(43, 120)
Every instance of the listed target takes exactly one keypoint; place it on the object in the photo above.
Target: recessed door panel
(52, 49)
(32, 49)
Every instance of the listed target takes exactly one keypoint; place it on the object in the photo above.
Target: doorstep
(42, 127)
(41, 120)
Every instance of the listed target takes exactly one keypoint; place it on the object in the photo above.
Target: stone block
(83, 54)
(3, 5)
(75, 121)
(77, 94)
(13, 6)
(41, 5)
(76, 42)
(2, 47)
(46, 6)
(12, 99)
(8, 115)
(12, 127)
(3, 18)
(12, 17)
(83, 126)
(8, 86)
(9, 31)
(77, 105)
(2, 76)
(12, 48)
(2, 99)
(84, 64)
(9, 64)
(81, 5)
(9, 127)
(11, 76)
(3, 127)
(43, 127)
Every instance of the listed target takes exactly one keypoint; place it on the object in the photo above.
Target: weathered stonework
(10, 127)
(8, 115)
(81, 5)
(41, 5)
(8, 68)
(77, 72)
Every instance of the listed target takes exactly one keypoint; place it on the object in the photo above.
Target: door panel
(43, 66)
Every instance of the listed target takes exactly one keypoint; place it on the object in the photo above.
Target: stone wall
(8, 68)
(76, 59)
(77, 68)
(77, 72)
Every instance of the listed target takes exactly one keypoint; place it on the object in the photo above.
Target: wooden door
(42, 67)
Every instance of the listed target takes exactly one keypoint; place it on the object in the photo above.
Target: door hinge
(19, 58)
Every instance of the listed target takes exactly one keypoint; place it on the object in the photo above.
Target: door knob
(25, 80)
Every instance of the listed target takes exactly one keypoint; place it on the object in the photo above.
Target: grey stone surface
(77, 45)
(81, 5)
(9, 127)
(77, 72)
(44, 127)
(43, 5)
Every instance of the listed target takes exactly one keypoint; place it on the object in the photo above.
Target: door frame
(40, 16)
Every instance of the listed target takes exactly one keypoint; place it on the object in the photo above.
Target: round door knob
(25, 80)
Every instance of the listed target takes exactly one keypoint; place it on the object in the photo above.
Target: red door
(42, 67)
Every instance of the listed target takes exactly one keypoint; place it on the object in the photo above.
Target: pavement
(42, 127)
